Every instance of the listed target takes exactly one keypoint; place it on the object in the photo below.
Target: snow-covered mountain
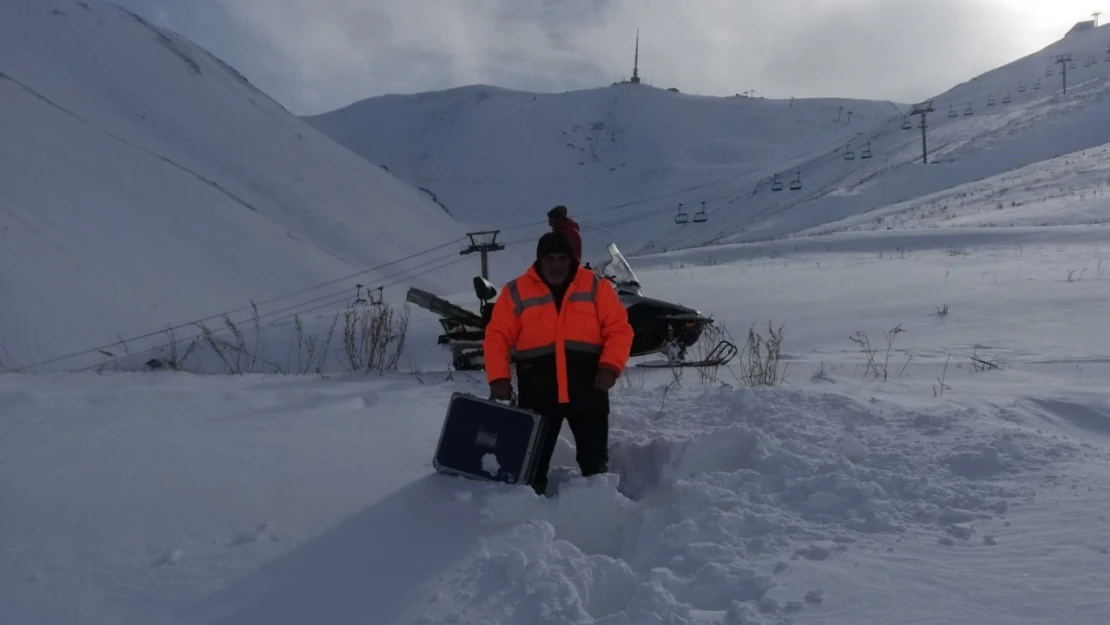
(1014, 116)
(144, 183)
(624, 157)
(937, 448)
(500, 158)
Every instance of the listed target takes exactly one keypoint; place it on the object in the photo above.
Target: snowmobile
(659, 327)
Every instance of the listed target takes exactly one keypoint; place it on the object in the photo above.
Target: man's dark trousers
(591, 439)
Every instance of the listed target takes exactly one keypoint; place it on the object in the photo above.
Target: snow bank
(714, 495)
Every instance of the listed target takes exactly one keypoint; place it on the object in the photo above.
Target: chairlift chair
(701, 215)
(1073, 65)
(1006, 98)
(1021, 88)
(681, 217)
(777, 184)
(952, 111)
(1048, 72)
(990, 100)
(1037, 86)
(849, 155)
(968, 111)
(866, 153)
(906, 125)
(796, 184)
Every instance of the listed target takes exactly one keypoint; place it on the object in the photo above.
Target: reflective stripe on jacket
(590, 327)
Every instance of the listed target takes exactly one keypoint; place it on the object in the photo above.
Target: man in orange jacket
(572, 341)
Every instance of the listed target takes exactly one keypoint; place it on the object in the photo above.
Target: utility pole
(922, 110)
(483, 242)
(1063, 60)
(839, 114)
(1095, 15)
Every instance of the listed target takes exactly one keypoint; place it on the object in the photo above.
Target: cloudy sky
(318, 55)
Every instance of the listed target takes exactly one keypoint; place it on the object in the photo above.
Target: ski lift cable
(741, 193)
(454, 259)
(229, 313)
(642, 200)
(332, 299)
(665, 210)
(703, 185)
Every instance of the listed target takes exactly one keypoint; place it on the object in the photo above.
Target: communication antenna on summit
(636, 60)
(1064, 60)
(1095, 15)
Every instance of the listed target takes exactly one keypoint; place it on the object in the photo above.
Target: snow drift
(144, 183)
(253, 501)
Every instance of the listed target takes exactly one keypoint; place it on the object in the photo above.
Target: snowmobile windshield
(620, 272)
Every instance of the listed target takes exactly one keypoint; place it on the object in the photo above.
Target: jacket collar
(533, 274)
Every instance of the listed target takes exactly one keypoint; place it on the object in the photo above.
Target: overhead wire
(294, 311)
(334, 298)
(228, 313)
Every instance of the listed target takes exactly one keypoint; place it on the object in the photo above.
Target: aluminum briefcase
(484, 439)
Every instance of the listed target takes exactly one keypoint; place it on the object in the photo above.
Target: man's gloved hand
(501, 390)
(605, 379)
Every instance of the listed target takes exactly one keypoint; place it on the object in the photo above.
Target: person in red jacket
(559, 222)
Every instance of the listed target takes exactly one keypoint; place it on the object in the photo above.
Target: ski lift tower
(483, 242)
(923, 109)
(1064, 60)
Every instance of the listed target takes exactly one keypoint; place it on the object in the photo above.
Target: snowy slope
(501, 158)
(838, 499)
(144, 183)
(1038, 122)
(1066, 190)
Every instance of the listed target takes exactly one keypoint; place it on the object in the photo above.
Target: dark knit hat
(554, 243)
(559, 212)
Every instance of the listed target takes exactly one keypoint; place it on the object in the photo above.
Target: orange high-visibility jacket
(591, 320)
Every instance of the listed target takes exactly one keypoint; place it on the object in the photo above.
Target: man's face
(551, 221)
(555, 268)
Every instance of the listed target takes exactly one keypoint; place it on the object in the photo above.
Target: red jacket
(569, 227)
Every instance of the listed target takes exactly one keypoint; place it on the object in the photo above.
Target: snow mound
(710, 498)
